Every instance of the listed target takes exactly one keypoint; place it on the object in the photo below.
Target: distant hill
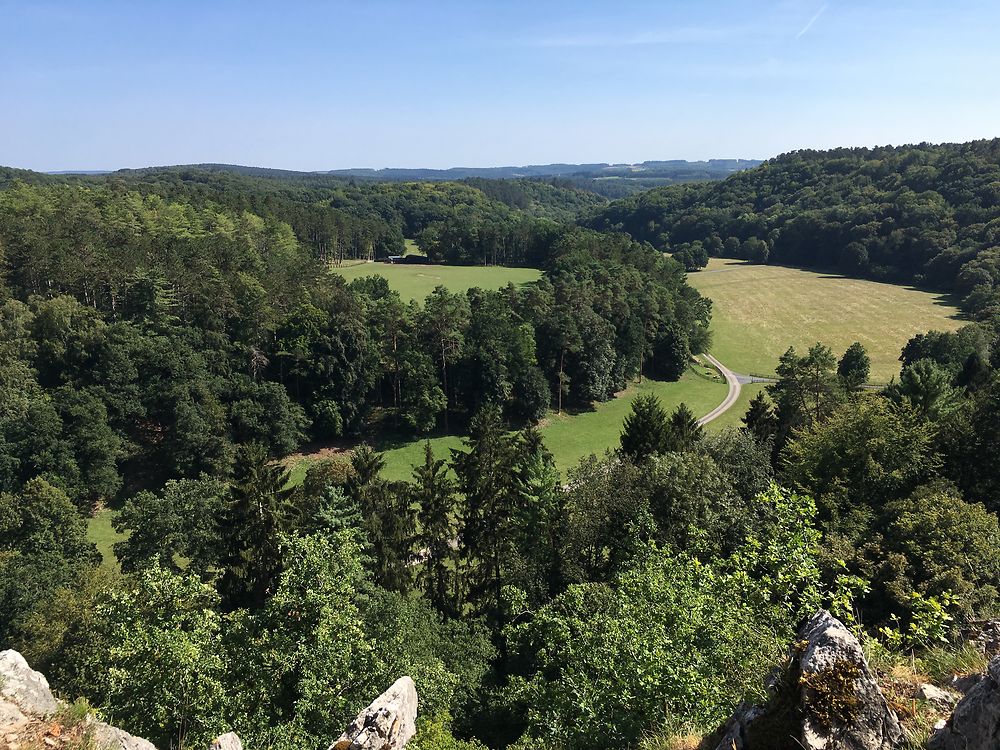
(711, 169)
(920, 214)
(610, 180)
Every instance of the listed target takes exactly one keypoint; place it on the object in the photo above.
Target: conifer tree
(645, 431)
(760, 419)
(433, 492)
(487, 477)
(539, 520)
(259, 511)
(387, 518)
(683, 430)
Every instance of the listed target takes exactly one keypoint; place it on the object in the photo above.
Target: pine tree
(539, 521)
(683, 430)
(337, 513)
(387, 518)
(259, 511)
(760, 419)
(434, 494)
(645, 431)
(487, 476)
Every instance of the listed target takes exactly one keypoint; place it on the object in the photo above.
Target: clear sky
(322, 85)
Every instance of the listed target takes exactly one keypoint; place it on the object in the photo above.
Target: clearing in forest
(417, 281)
(759, 311)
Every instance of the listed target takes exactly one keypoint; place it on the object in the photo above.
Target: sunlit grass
(759, 311)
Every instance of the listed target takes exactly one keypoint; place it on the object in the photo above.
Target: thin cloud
(812, 20)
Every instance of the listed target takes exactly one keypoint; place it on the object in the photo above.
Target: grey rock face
(11, 717)
(387, 724)
(24, 686)
(827, 699)
(113, 738)
(227, 741)
(975, 725)
(943, 699)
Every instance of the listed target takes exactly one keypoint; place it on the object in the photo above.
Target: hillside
(925, 215)
(510, 496)
(759, 311)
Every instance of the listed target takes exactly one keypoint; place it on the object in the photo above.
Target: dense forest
(168, 335)
(927, 215)
(151, 335)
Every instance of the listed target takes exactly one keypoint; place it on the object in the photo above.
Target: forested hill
(463, 222)
(925, 214)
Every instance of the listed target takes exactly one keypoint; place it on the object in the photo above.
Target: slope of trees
(162, 350)
(925, 214)
(146, 339)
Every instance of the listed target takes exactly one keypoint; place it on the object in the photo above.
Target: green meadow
(759, 311)
(417, 281)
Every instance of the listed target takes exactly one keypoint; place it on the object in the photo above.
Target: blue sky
(322, 85)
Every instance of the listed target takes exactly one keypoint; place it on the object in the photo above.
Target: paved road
(731, 397)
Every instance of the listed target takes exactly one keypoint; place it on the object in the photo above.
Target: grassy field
(571, 435)
(416, 281)
(759, 311)
(103, 534)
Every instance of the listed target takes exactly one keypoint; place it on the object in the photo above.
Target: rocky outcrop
(108, 737)
(985, 636)
(387, 724)
(825, 699)
(22, 685)
(941, 699)
(29, 714)
(227, 741)
(975, 724)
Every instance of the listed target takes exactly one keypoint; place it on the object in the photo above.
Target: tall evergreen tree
(645, 431)
(683, 430)
(539, 521)
(259, 511)
(388, 519)
(433, 492)
(760, 419)
(487, 477)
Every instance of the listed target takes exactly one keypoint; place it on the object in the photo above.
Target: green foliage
(865, 453)
(181, 523)
(43, 546)
(933, 545)
(760, 419)
(807, 390)
(683, 430)
(434, 494)
(434, 733)
(309, 639)
(259, 511)
(854, 367)
(657, 643)
(153, 658)
(693, 503)
(645, 430)
(926, 387)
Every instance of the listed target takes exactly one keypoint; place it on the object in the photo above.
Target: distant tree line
(145, 337)
(925, 214)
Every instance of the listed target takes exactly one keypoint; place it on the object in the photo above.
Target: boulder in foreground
(826, 699)
(975, 725)
(24, 686)
(387, 724)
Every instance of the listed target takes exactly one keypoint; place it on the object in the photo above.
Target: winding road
(734, 391)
